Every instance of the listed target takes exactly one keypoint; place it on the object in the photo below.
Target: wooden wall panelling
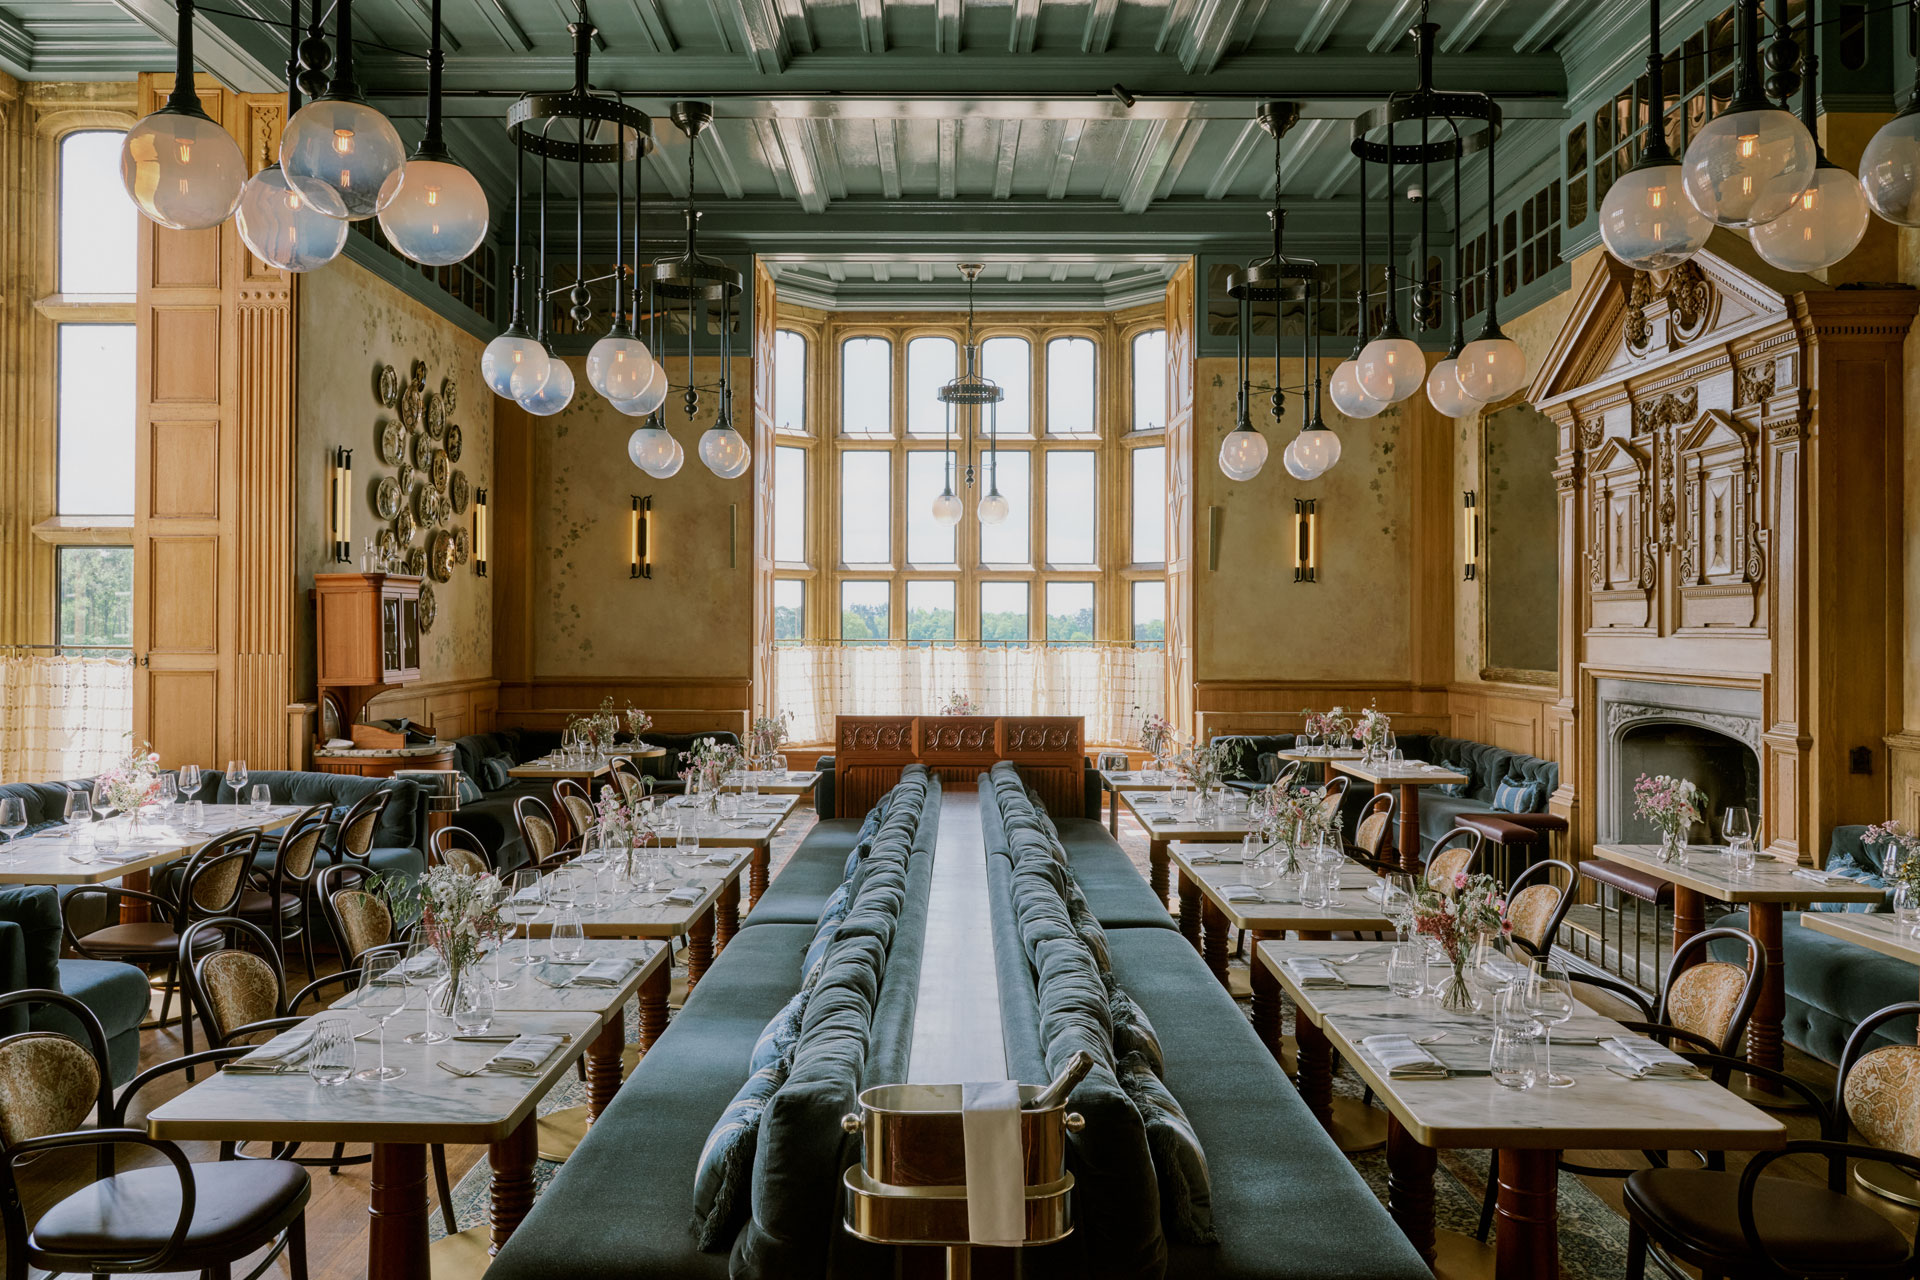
(760, 510)
(870, 751)
(1181, 356)
(677, 705)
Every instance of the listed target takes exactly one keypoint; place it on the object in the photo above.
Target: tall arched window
(790, 381)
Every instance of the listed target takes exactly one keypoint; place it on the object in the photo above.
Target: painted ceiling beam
(719, 164)
(1299, 147)
(946, 26)
(1099, 28)
(1547, 27)
(1065, 149)
(1172, 19)
(1026, 18)
(886, 138)
(1245, 145)
(1003, 163)
(873, 26)
(799, 27)
(16, 47)
(1326, 16)
(768, 135)
(245, 56)
(1465, 30)
(1394, 29)
(757, 28)
(1210, 34)
(652, 21)
(947, 131)
(419, 13)
(794, 139)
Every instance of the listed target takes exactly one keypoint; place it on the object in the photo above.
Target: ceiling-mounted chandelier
(972, 396)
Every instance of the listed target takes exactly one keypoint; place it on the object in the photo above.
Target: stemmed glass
(237, 779)
(13, 817)
(1737, 827)
(522, 907)
(1906, 905)
(190, 780)
(169, 790)
(1396, 901)
(383, 994)
(686, 842)
(425, 969)
(1548, 1000)
(79, 816)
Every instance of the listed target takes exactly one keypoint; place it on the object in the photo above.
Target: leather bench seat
(1117, 893)
(1643, 885)
(809, 877)
(620, 1208)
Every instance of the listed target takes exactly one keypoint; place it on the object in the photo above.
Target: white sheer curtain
(1103, 683)
(62, 717)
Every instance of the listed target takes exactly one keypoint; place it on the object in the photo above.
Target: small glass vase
(1457, 994)
(469, 1001)
(1673, 848)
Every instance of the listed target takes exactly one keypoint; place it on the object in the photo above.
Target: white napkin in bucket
(996, 1173)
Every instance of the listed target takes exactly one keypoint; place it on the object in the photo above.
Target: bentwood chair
(360, 919)
(1454, 854)
(634, 785)
(283, 894)
(538, 834)
(573, 800)
(1705, 1008)
(1374, 831)
(1333, 793)
(354, 841)
(211, 885)
(1536, 905)
(1748, 1224)
(460, 849)
(172, 1216)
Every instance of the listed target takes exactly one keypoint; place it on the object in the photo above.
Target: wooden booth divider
(870, 751)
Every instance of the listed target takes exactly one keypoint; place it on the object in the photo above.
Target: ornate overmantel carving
(1665, 411)
(1681, 297)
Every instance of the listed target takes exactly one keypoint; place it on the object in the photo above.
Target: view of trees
(96, 595)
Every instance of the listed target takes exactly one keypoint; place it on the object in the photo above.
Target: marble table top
(425, 1105)
(1602, 1111)
(528, 994)
(1405, 773)
(52, 856)
(635, 911)
(1708, 871)
(1137, 779)
(1352, 909)
(755, 824)
(1229, 820)
(775, 782)
(553, 767)
(1879, 931)
(1322, 754)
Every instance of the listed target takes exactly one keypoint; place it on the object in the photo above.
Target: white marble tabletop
(635, 911)
(1355, 907)
(756, 823)
(556, 767)
(54, 855)
(1403, 773)
(529, 994)
(1880, 931)
(1138, 779)
(775, 782)
(425, 1105)
(1321, 754)
(1228, 819)
(1708, 871)
(1602, 1111)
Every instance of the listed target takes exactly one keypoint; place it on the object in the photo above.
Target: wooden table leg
(512, 1159)
(1410, 830)
(1189, 911)
(132, 910)
(1527, 1216)
(603, 1063)
(1315, 1056)
(1689, 915)
(1214, 933)
(699, 947)
(1410, 1168)
(1113, 811)
(757, 867)
(653, 1006)
(726, 915)
(1157, 862)
(1763, 1029)
(397, 1207)
(1266, 992)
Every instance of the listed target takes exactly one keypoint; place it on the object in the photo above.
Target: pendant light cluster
(1757, 168)
(340, 161)
(972, 396)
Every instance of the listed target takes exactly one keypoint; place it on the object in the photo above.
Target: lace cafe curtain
(1103, 683)
(62, 717)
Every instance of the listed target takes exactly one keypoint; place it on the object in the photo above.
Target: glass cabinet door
(391, 630)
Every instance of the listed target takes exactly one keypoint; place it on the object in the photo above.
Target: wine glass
(237, 778)
(1548, 999)
(383, 994)
(524, 902)
(1736, 825)
(1906, 905)
(169, 790)
(424, 968)
(13, 817)
(78, 813)
(190, 780)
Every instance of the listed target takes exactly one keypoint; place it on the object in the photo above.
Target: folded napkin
(1222, 859)
(1310, 971)
(1650, 1058)
(285, 1051)
(1820, 877)
(685, 897)
(996, 1171)
(608, 972)
(718, 860)
(1403, 1059)
(524, 1056)
(1242, 893)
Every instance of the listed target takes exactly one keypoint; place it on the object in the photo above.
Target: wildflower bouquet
(1373, 730)
(133, 782)
(1457, 917)
(765, 739)
(1204, 767)
(1156, 734)
(959, 704)
(708, 764)
(626, 828)
(1332, 725)
(1898, 865)
(638, 721)
(1672, 805)
(457, 911)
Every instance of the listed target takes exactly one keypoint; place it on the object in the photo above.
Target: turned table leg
(1410, 830)
(513, 1159)
(1526, 1216)
(1410, 1168)
(1763, 1030)
(397, 1209)
(699, 947)
(603, 1063)
(1214, 933)
(1689, 915)
(653, 1006)
(1315, 1057)
(1157, 861)
(757, 868)
(1189, 910)
(1266, 992)
(1113, 811)
(726, 915)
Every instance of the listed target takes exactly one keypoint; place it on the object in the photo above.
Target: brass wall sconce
(341, 505)
(480, 533)
(639, 548)
(1306, 540)
(1470, 535)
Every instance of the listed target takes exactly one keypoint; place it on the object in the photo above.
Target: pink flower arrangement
(134, 782)
(1671, 804)
(959, 704)
(1156, 734)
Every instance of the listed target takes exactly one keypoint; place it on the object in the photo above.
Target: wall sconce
(1470, 534)
(638, 549)
(342, 505)
(480, 533)
(1306, 540)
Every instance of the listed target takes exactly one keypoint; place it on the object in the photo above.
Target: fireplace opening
(1724, 769)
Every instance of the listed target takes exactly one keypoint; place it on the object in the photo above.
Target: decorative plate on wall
(427, 608)
(440, 556)
(405, 477)
(417, 562)
(449, 398)
(423, 450)
(403, 527)
(426, 504)
(329, 718)
(452, 443)
(436, 416)
(459, 493)
(389, 545)
(442, 472)
(393, 443)
(386, 385)
(410, 399)
(462, 545)
(386, 497)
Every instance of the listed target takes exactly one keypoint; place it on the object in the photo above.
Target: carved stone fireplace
(1708, 734)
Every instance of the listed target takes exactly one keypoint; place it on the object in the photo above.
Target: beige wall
(350, 322)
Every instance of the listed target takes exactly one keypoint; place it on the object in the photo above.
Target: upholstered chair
(572, 799)
(170, 1216)
(1455, 853)
(538, 834)
(359, 918)
(634, 785)
(1537, 903)
(458, 848)
(354, 841)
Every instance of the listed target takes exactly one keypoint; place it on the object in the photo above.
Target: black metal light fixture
(640, 537)
(972, 396)
(1278, 279)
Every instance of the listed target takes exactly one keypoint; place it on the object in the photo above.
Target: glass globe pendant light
(556, 391)
(1750, 161)
(1443, 383)
(1392, 366)
(556, 394)
(725, 450)
(1343, 388)
(947, 507)
(179, 166)
(619, 366)
(1646, 219)
(651, 447)
(1313, 452)
(671, 467)
(339, 143)
(1827, 221)
(436, 213)
(1492, 366)
(281, 226)
(1890, 166)
(651, 397)
(515, 364)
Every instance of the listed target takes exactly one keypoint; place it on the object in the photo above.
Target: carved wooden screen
(1720, 562)
(870, 751)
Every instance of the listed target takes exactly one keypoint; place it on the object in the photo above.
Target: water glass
(1513, 1056)
(237, 777)
(1906, 905)
(1740, 858)
(1407, 970)
(330, 1059)
(686, 841)
(569, 935)
(261, 797)
(750, 790)
(780, 763)
(196, 816)
(13, 817)
(729, 805)
(1316, 886)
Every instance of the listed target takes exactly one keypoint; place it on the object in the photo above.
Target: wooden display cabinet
(366, 637)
